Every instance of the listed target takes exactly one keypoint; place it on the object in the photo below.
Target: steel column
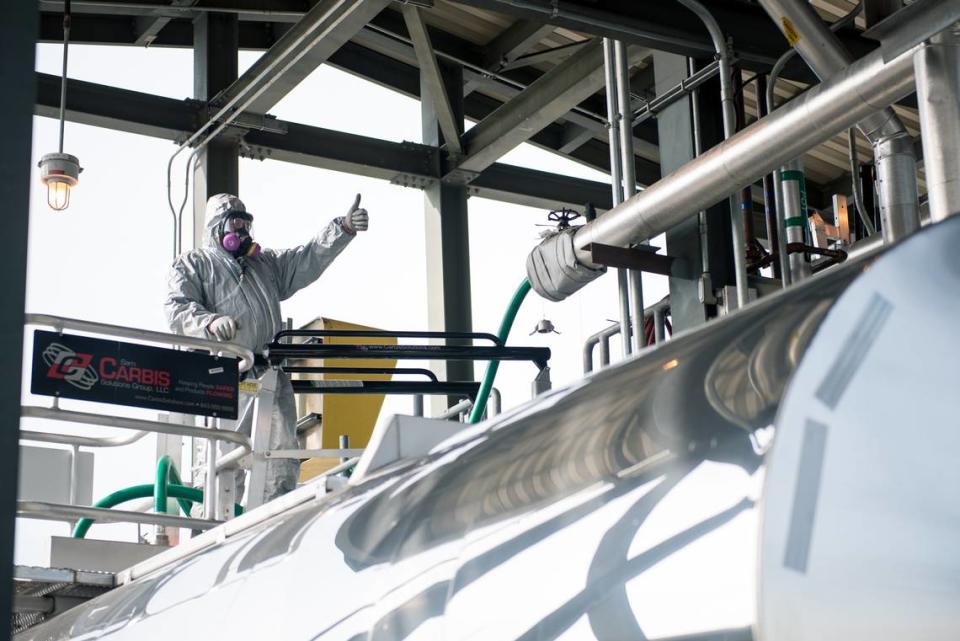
(704, 241)
(937, 69)
(216, 44)
(17, 34)
(447, 243)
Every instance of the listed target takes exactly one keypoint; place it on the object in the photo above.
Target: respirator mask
(236, 235)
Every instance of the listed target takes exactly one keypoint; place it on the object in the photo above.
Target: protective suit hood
(217, 208)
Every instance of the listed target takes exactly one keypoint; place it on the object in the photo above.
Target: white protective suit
(209, 282)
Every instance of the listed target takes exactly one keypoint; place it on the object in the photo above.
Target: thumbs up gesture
(356, 219)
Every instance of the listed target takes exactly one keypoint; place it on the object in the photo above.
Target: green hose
(511, 314)
(188, 494)
(167, 473)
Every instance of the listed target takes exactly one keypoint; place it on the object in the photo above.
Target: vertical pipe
(634, 277)
(697, 150)
(604, 351)
(588, 355)
(344, 444)
(496, 402)
(729, 129)
(74, 473)
(616, 180)
(937, 69)
(659, 324)
(418, 404)
(210, 478)
(794, 191)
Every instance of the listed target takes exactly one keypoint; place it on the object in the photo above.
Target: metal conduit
(821, 112)
(728, 111)
(893, 145)
(616, 179)
(629, 174)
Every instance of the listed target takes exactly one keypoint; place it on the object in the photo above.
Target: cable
(855, 182)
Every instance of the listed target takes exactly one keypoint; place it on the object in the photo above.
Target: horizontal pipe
(157, 427)
(456, 410)
(70, 513)
(818, 114)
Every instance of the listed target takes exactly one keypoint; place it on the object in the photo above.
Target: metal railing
(141, 427)
(602, 338)
(60, 323)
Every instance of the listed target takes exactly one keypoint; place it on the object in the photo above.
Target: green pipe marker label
(793, 221)
(793, 174)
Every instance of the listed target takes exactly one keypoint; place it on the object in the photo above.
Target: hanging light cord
(63, 76)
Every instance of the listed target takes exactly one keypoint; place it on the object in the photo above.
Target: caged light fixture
(60, 172)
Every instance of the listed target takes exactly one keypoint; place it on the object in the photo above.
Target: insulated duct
(894, 154)
(863, 88)
(937, 67)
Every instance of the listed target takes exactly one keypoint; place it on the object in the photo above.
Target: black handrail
(452, 388)
(361, 370)
(363, 333)
(278, 352)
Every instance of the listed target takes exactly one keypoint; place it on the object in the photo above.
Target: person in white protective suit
(230, 290)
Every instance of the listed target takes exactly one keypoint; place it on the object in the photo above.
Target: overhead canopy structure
(504, 47)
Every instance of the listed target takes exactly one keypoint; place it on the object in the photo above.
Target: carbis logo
(66, 364)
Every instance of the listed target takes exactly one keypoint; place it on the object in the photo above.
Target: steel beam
(667, 26)
(513, 42)
(216, 44)
(303, 48)
(451, 124)
(548, 98)
(554, 54)
(391, 63)
(406, 164)
(657, 25)
(17, 35)
(148, 28)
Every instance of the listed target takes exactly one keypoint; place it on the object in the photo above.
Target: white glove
(223, 328)
(356, 219)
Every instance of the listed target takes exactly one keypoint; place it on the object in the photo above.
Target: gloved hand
(356, 219)
(223, 328)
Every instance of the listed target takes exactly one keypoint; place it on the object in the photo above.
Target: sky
(106, 258)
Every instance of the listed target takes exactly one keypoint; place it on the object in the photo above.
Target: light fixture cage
(59, 172)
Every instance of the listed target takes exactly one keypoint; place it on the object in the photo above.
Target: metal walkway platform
(41, 593)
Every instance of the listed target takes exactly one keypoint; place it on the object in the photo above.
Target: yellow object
(353, 415)
(793, 36)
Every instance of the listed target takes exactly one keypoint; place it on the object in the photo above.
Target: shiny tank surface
(621, 507)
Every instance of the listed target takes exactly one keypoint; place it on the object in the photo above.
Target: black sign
(102, 371)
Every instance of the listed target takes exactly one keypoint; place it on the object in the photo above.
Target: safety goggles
(236, 222)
